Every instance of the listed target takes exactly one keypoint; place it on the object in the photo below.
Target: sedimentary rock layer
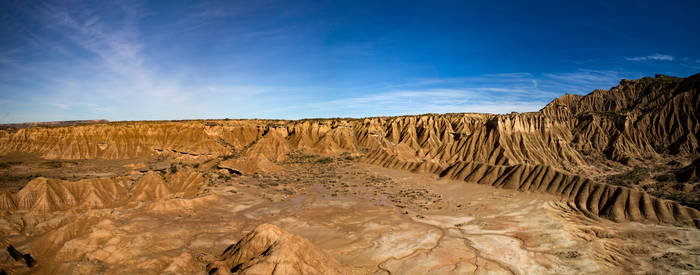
(43, 194)
(270, 250)
(635, 121)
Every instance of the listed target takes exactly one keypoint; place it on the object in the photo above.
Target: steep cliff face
(543, 151)
(636, 119)
(498, 140)
(113, 141)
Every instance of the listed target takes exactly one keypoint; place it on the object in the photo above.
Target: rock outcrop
(270, 250)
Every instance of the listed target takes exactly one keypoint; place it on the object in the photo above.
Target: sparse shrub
(227, 157)
(629, 178)
(325, 160)
(619, 183)
(302, 156)
(173, 168)
(665, 178)
(610, 114)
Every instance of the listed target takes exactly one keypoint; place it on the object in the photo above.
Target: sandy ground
(372, 220)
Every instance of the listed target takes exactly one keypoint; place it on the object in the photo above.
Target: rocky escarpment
(639, 119)
(545, 151)
(594, 199)
(109, 141)
(636, 119)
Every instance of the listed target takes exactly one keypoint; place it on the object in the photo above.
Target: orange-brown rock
(636, 121)
(44, 194)
(270, 250)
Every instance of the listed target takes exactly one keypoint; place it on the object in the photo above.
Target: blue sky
(68, 60)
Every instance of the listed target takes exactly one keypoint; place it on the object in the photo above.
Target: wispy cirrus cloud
(74, 59)
(657, 57)
(489, 93)
(431, 101)
(104, 70)
(583, 80)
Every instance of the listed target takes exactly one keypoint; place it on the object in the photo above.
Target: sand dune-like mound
(270, 250)
(152, 186)
(272, 146)
(326, 137)
(44, 194)
(155, 186)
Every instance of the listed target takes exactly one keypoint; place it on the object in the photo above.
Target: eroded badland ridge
(605, 182)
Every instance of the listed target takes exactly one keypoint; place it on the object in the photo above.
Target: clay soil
(372, 220)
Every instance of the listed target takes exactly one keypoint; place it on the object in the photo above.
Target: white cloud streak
(104, 72)
(656, 57)
(495, 93)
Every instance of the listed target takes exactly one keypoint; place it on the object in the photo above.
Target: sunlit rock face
(268, 250)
